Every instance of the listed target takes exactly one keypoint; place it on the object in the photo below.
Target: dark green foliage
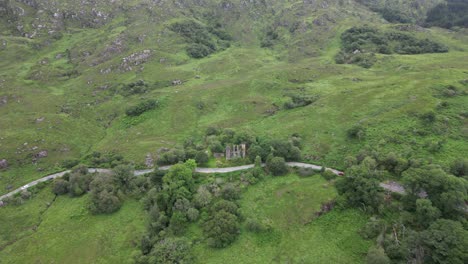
(425, 212)
(300, 101)
(105, 160)
(446, 192)
(394, 15)
(255, 226)
(70, 163)
(446, 241)
(360, 187)
(277, 166)
(450, 14)
(172, 156)
(79, 181)
(356, 132)
(359, 44)
(230, 192)
(138, 87)
(269, 40)
(123, 177)
(200, 39)
(103, 194)
(198, 51)
(201, 157)
(60, 186)
(142, 107)
(170, 251)
(459, 167)
(221, 229)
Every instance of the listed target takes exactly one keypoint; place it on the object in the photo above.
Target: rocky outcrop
(3, 164)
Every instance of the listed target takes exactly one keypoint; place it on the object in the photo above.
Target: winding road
(199, 170)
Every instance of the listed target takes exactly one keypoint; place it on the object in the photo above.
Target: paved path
(142, 172)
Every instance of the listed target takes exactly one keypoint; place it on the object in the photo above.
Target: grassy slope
(289, 202)
(237, 87)
(69, 234)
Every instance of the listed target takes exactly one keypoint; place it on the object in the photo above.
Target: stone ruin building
(236, 151)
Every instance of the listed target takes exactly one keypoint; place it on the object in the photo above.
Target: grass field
(68, 233)
(289, 204)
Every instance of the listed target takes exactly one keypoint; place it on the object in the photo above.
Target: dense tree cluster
(432, 211)
(202, 40)
(216, 140)
(360, 43)
(106, 191)
(450, 14)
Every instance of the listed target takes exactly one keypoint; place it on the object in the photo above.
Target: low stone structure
(236, 151)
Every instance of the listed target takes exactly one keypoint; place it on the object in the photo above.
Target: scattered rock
(3, 164)
(177, 82)
(40, 119)
(42, 154)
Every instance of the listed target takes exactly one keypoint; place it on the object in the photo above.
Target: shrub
(356, 131)
(103, 194)
(277, 166)
(141, 108)
(459, 167)
(198, 51)
(171, 250)
(222, 229)
(255, 226)
(60, 186)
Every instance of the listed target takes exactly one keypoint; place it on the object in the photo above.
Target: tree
(178, 223)
(201, 157)
(376, 255)
(277, 166)
(446, 241)
(425, 212)
(123, 175)
(222, 229)
(60, 186)
(203, 197)
(230, 192)
(360, 187)
(460, 167)
(79, 182)
(171, 250)
(103, 194)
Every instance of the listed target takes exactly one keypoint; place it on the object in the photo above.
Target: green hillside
(104, 83)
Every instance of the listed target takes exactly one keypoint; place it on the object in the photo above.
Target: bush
(360, 43)
(222, 229)
(459, 168)
(356, 132)
(328, 175)
(103, 194)
(198, 51)
(141, 108)
(277, 166)
(255, 226)
(60, 186)
(450, 14)
(171, 250)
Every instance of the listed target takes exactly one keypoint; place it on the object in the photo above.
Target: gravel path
(394, 187)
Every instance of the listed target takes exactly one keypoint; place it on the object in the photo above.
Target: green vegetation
(224, 73)
(141, 108)
(67, 232)
(360, 44)
(281, 226)
(454, 13)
